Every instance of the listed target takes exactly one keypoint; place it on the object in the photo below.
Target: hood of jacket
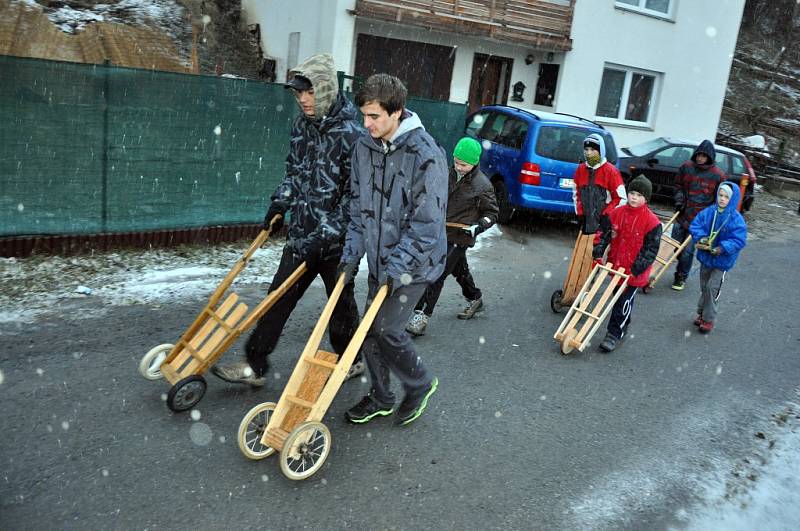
(320, 70)
(602, 143)
(707, 148)
(733, 204)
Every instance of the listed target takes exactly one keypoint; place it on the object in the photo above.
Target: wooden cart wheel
(555, 301)
(150, 366)
(566, 346)
(305, 450)
(252, 428)
(186, 393)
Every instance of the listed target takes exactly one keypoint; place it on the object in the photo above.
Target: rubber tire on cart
(252, 428)
(186, 393)
(555, 301)
(504, 207)
(305, 450)
(150, 366)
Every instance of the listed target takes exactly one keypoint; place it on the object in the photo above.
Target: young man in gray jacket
(397, 217)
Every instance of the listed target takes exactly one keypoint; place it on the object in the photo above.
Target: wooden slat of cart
(597, 312)
(342, 368)
(599, 273)
(171, 366)
(224, 331)
(302, 367)
(201, 319)
(580, 266)
(310, 389)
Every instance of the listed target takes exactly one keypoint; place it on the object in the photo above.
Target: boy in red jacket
(634, 234)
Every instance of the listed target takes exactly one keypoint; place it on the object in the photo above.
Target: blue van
(531, 156)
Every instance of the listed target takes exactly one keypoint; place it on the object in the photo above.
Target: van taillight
(530, 174)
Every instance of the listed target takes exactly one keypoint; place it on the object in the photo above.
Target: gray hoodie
(398, 205)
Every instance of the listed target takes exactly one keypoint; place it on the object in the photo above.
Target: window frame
(629, 71)
(640, 8)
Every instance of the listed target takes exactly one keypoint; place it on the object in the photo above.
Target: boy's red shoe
(706, 327)
(698, 319)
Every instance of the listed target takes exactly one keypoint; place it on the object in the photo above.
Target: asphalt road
(518, 437)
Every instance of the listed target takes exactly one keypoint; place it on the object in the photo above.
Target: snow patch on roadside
(37, 286)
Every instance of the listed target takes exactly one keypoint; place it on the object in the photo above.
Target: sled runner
(214, 330)
(579, 267)
(668, 252)
(591, 307)
(293, 426)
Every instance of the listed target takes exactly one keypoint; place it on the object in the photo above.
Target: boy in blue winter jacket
(720, 233)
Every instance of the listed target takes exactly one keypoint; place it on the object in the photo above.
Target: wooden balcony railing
(540, 23)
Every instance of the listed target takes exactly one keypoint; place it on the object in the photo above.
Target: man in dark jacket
(397, 216)
(695, 189)
(316, 190)
(471, 202)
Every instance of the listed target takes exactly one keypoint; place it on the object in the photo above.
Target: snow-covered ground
(31, 287)
(34, 286)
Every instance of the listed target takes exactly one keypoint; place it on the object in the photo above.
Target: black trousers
(621, 313)
(341, 328)
(457, 266)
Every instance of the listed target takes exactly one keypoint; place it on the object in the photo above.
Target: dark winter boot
(609, 343)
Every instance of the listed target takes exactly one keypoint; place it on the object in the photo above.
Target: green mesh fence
(93, 148)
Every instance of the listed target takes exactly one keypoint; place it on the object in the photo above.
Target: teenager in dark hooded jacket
(316, 191)
(695, 189)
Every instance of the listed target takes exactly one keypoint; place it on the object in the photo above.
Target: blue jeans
(686, 257)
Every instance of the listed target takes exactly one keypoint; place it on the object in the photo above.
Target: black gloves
(275, 208)
(312, 252)
(390, 284)
(598, 250)
(680, 201)
(484, 223)
(348, 270)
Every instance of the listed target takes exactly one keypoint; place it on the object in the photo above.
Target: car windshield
(646, 147)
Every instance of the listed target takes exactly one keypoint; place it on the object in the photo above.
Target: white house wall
(324, 27)
(694, 53)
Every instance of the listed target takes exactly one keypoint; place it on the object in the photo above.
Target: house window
(660, 8)
(627, 94)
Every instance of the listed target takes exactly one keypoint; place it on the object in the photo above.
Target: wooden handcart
(293, 426)
(591, 307)
(214, 330)
(668, 252)
(579, 267)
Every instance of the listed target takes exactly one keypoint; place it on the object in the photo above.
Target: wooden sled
(214, 330)
(668, 252)
(579, 267)
(293, 426)
(587, 314)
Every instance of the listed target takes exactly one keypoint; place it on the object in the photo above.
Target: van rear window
(566, 144)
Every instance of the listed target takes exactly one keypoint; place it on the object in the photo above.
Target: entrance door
(491, 76)
(546, 84)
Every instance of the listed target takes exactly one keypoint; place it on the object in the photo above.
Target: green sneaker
(367, 410)
(678, 285)
(412, 407)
